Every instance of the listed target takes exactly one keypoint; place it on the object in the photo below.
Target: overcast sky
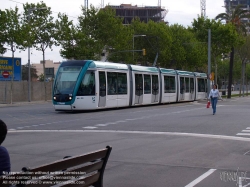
(179, 11)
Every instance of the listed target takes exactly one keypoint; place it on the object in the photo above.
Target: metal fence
(20, 91)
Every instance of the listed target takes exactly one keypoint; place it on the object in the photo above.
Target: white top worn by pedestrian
(214, 93)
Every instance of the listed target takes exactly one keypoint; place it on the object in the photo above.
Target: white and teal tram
(89, 85)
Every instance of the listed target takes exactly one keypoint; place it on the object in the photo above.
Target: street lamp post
(29, 77)
(134, 43)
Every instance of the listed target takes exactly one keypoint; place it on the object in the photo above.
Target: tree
(234, 16)
(67, 36)
(157, 39)
(222, 37)
(12, 35)
(187, 52)
(42, 28)
(244, 55)
(33, 72)
(3, 20)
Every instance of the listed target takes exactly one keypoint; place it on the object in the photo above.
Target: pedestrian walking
(4, 155)
(214, 95)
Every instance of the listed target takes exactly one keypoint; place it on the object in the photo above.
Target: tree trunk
(230, 79)
(12, 77)
(44, 75)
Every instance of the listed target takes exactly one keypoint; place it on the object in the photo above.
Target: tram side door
(182, 88)
(102, 89)
(155, 88)
(192, 92)
(138, 89)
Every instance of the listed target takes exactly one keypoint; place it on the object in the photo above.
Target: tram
(90, 85)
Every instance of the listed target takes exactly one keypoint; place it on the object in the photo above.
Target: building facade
(50, 68)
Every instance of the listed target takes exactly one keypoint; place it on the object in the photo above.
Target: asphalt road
(162, 145)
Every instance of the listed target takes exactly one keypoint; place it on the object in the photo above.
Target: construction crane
(203, 8)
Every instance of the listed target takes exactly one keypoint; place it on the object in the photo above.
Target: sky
(180, 12)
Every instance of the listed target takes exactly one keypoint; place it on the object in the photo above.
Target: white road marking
(246, 152)
(200, 178)
(243, 134)
(245, 131)
(101, 125)
(111, 123)
(248, 127)
(212, 136)
(90, 127)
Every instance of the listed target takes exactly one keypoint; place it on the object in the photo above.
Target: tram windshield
(66, 79)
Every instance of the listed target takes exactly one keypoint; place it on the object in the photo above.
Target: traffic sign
(211, 76)
(5, 74)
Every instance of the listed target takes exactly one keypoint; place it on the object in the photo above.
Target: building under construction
(129, 12)
(231, 4)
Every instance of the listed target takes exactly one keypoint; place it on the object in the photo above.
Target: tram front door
(102, 91)
(138, 89)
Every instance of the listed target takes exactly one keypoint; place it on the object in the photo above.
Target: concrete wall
(20, 91)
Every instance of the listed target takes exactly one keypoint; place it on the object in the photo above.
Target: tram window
(87, 86)
(147, 84)
(102, 83)
(122, 83)
(201, 85)
(155, 82)
(138, 84)
(187, 84)
(169, 84)
(112, 83)
(182, 85)
(191, 85)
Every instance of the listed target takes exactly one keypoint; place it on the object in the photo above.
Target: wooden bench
(78, 171)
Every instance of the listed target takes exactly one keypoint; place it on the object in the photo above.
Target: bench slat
(70, 162)
(88, 169)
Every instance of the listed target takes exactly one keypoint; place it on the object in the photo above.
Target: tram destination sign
(6, 70)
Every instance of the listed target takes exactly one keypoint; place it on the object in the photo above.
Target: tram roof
(185, 73)
(144, 68)
(197, 74)
(108, 65)
(168, 71)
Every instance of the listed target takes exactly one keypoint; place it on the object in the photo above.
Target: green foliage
(187, 52)
(223, 36)
(25, 72)
(3, 20)
(12, 35)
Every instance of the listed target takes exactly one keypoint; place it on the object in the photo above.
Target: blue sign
(6, 64)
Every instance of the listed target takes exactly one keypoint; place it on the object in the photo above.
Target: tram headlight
(54, 98)
(70, 98)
